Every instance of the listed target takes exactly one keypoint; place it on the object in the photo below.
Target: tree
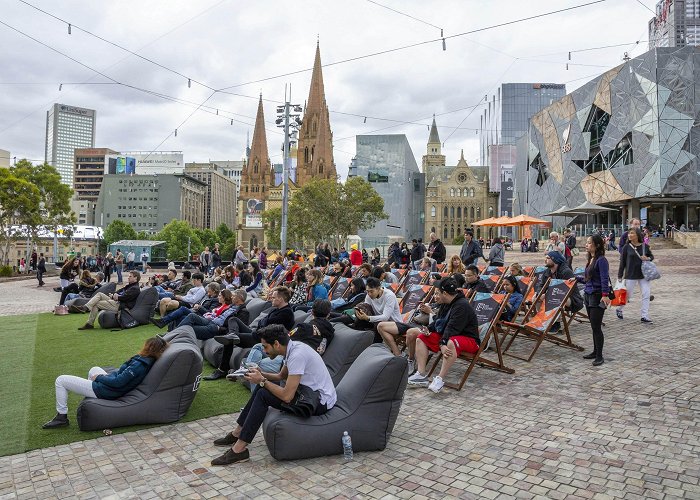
(207, 237)
(223, 233)
(119, 230)
(226, 249)
(324, 210)
(272, 219)
(55, 196)
(177, 234)
(20, 202)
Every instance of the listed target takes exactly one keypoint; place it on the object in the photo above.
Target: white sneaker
(411, 366)
(233, 375)
(436, 385)
(418, 380)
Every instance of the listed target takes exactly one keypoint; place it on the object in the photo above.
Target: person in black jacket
(633, 254)
(455, 330)
(239, 318)
(103, 385)
(472, 283)
(41, 269)
(471, 250)
(123, 299)
(240, 334)
(436, 250)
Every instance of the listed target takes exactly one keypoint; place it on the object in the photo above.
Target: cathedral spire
(257, 177)
(315, 151)
(434, 136)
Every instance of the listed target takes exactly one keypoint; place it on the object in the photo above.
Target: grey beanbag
(346, 346)
(369, 399)
(142, 311)
(257, 306)
(164, 396)
(107, 288)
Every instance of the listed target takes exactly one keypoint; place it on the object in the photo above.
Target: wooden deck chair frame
(496, 282)
(424, 277)
(529, 271)
(538, 335)
(335, 286)
(491, 330)
(495, 270)
(407, 316)
(579, 316)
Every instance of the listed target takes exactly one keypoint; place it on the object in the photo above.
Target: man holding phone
(384, 304)
(303, 366)
(455, 330)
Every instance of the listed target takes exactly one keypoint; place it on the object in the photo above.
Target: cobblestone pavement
(557, 428)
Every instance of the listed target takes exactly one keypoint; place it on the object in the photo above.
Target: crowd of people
(213, 301)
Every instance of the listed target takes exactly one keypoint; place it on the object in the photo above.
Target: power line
(404, 14)
(645, 6)
(417, 44)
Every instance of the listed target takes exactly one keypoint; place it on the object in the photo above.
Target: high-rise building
(67, 128)
(233, 170)
(676, 24)
(388, 164)
(507, 119)
(315, 149)
(220, 201)
(89, 169)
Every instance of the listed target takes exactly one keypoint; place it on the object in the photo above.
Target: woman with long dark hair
(103, 385)
(597, 281)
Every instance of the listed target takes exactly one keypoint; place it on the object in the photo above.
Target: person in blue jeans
(207, 326)
(173, 318)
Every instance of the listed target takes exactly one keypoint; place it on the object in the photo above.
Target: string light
(69, 31)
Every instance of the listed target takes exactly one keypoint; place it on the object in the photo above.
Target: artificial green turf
(38, 348)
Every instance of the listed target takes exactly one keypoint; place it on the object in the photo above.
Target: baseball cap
(447, 285)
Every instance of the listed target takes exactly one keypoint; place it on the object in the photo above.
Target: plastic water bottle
(347, 446)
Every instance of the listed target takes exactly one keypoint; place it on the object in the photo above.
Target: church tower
(257, 176)
(315, 150)
(433, 159)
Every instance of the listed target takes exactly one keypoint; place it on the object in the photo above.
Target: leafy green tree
(223, 233)
(55, 197)
(177, 234)
(272, 219)
(144, 235)
(226, 250)
(207, 237)
(20, 202)
(324, 210)
(119, 230)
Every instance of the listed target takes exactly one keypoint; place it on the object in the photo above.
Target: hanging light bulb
(69, 31)
(444, 45)
(175, 132)
(189, 83)
(365, 120)
(569, 56)
(217, 112)
(567, 66)
(60, 87)
(231, 121)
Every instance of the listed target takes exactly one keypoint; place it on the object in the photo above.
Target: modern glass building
(676, 24)
(628, 140)
(68, 128)
(388, 164)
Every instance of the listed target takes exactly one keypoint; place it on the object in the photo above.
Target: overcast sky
(224, 43)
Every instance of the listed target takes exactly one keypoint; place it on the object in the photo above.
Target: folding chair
(579, 316)
(408, 306)
(492, 281)
(488, 308)
(437, 276)
(495, 270)
(414, 278)
(537, 324)
(526, 286)
(440, 267)
(340, 288)
(400, 274)
(330, 281)
(528, 270)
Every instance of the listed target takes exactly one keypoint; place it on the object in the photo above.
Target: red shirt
(356, 258)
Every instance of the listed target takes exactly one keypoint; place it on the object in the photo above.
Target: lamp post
(290, 122)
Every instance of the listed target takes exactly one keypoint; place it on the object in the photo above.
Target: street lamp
(290, 122)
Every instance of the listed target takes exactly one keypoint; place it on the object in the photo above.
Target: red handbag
(620, 297)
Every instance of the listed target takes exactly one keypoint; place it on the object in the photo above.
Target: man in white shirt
(192, 297)
(303, 366)
(130, 257)
(383, 301)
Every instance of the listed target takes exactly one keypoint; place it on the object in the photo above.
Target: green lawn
(37, 348)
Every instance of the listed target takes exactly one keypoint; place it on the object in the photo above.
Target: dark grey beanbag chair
(107, 288)
(256, 306)
(346, 346)
(163, 397)
(142, 311)
(369, 399)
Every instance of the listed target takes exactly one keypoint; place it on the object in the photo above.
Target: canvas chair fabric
(488, 308)
(538, 322)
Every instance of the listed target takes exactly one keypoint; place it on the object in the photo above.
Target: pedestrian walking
(41, 269)
(633, 254)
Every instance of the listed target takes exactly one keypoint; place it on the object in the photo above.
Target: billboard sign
(253, 213)
(158, 163)
(120, 165)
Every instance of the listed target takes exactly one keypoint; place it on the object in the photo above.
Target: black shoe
(86, 326)
(58, 421)
(229, 338)
(619, 314)
(158, 323)
(216, 375)
(228, 440)
(646, 320)
(58, 289)
(589, 356)
(598, 362)
(651, 298)
(231, 457)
